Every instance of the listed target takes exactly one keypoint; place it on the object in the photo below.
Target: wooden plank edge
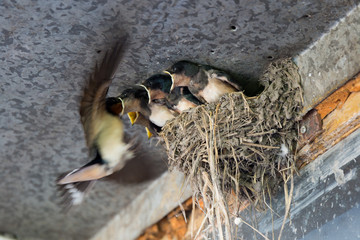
(340, 113)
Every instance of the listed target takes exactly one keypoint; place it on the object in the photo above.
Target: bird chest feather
(160, 114)
(110, 140)
(184, 104)
(215, 89)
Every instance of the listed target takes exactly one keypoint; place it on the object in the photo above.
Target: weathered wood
(175, 226)
(340, 113)
(338, 98)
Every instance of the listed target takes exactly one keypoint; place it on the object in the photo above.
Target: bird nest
(239, 146)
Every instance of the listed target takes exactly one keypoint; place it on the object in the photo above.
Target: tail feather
(73, 194)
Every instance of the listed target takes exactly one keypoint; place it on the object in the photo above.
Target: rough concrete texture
(332, 61)
(149, 207)
(49, 48)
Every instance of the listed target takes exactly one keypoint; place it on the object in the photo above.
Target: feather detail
(92, 104)
(73, 194)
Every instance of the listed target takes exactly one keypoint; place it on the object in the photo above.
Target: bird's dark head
(159, 85)
(135, 99)
(114, 105)
(183, 96)
(182, 71)
(187, 68)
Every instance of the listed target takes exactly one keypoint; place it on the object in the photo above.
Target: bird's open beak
(172, 79)
(148, 133)
(133, 116)
(88, 173)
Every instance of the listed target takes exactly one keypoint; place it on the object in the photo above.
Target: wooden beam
(340, 113)
(175, 226)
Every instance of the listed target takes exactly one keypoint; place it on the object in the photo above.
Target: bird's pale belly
(111, 145)
(214, 90)
(184, 104)
(160, 114)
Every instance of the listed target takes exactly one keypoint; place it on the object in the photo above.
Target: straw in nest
(244, 145)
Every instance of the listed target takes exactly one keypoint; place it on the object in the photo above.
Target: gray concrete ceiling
(49, 48)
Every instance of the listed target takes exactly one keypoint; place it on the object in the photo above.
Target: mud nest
(240, 146)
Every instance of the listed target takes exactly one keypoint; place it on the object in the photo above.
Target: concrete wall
(49, 48)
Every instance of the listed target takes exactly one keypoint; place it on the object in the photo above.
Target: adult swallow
(104, 130)
(206, 83)
(181, 99)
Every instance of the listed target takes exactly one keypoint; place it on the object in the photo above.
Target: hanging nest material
(241, 145)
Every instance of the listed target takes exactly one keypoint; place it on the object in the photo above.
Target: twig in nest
(288, 197)
(266, 238)
(259, 145)
(234, 144)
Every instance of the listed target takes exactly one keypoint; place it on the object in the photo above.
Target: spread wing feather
(92, 105)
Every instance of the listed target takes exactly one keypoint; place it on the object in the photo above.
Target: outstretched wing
(92, 104)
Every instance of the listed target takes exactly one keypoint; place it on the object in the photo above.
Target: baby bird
(204, 82)
(137, 99)
(161, 87)
(140, 119)
(181, 99)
